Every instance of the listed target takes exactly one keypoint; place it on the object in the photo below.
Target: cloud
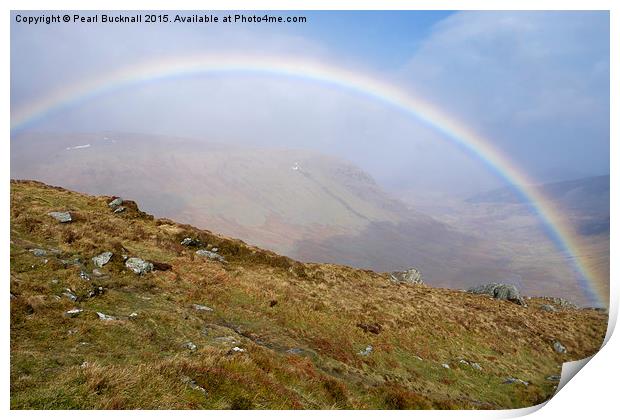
(537, 83)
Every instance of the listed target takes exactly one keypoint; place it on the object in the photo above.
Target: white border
(591, 394)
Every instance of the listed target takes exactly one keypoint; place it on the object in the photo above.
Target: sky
(536, 84)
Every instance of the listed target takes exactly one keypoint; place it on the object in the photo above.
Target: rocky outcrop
(410, 276)
(210, 255)
(499, 291)
(102, 259)
(138, 266)
(61, 216)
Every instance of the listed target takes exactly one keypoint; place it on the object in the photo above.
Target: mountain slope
(301, 204)
(270, 332)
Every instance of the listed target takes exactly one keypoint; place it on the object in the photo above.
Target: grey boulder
(499, 291)
(102, 259)
(138, 266)
(210, 255)
(410, 276)
(61, 216)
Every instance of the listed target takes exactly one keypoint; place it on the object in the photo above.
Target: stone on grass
(558, 347)
(191, 346)
(554, 378)
(119, 209)
(105, 317)
(201, 307)
(499, 291)
(366, 351)
(410, 276)
(61, 216)
(38, 252)
(445, 366)
(70, 295)
(548, 308)
(116, 202)
(190, 242)
(102, 259)
(210, 255)
(516, 381)
(138, 266)
(72, 313)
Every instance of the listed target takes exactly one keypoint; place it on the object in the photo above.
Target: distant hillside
(301, 204)
(115, 309)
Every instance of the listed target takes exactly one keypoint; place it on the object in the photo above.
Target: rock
(72, 313)
(554, 378)
(464, 362)
(105, 317)
(558, 347)
(499, 291)
(475, 366)
(371, 328)
(12, 296)
(366, 351)
(201, 307)
(119, 209)
(295, 351)
(190, 242)
(116, 202)
(102, 259)
(210, 255)
(96, 291)
(410, 276)
(138, 265)
(84, 365)
(55, 281)
(191, 346)
(236, 350)
(418, 357)
(193, 384)
(133, 315)
(84, 275)
(38, 252)
(61, 216)
(562, 303)
(548, 308)
(445, 366)
(215, 249)
(515, 381)
(98, 273)
(70, 295)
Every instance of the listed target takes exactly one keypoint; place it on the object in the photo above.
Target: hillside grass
(265, 304)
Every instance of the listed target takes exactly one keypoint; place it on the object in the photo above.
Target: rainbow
(372, 87)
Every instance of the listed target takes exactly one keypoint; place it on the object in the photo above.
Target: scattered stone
(445, 366)
(71, 332)
(191, 346)
(193, 384)
(418, 357)
(84, 275)
(119, 209)
(215, 249)
(116, 202)
(98, 273)
(554, 378)
(548, 308)
(201, 307)
(70, 295)
(105, 317)
(558, 347)
(138, 265)
(237, 350)
(371, 328)
(561, 302)
(210, 255)
(410, 276)
(102, 259)
(72, 313)
(366, 351)
(190, 242)
(84, 365)
(12, 296)
(464, 362)
(133, 315)
(61, 216)
(476, 366)
(499, 291)
(515, 381)
(295, 351)
(96, 291)
(38, 252)
(55, 281)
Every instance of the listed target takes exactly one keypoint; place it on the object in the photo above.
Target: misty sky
(535, 83)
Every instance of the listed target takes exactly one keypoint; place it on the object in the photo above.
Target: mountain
(115, 309)
(301, 204)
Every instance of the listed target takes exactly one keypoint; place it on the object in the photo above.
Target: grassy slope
(141, 362)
